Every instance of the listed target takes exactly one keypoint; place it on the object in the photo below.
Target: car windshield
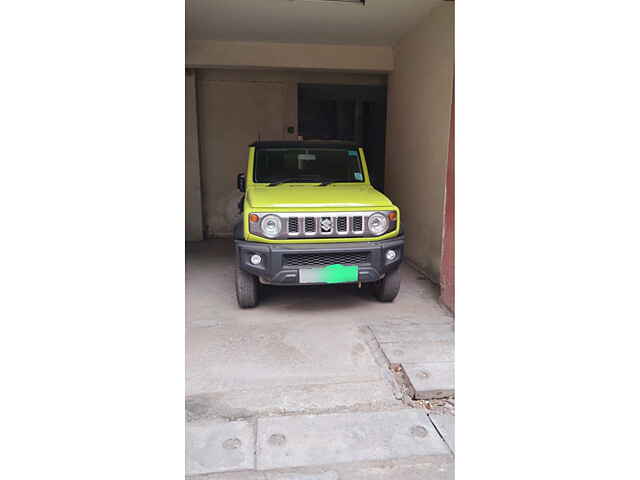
(307, 165)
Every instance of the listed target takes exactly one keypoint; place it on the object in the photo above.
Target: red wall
(447, 270)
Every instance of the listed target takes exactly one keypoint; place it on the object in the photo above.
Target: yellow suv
(310, 216)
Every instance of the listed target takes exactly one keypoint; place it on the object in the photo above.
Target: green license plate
(330, 274)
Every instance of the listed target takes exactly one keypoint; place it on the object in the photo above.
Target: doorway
(354, 113)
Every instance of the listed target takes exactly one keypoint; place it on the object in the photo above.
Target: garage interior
(378, 73)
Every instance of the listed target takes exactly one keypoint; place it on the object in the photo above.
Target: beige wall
(419, 104)
(193, 202)
(233, 114)
(234, 108)
(214, 53)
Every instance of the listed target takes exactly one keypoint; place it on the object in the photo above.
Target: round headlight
(271, 226)
(378, 224)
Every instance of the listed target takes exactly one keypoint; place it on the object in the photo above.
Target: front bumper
(281, 262)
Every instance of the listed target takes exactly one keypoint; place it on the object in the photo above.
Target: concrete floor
(303, 350)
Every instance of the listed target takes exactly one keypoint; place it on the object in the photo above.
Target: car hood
(296, 195)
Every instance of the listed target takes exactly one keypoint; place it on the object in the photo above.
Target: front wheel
(387, 289)
(246, 289)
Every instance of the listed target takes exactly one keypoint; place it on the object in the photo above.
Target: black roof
(303, 144)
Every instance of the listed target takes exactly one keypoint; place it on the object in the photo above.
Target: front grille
(341, 224)
(309, 225)
(293, 225)
(308, 259)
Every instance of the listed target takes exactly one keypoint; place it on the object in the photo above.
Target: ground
(317, 382)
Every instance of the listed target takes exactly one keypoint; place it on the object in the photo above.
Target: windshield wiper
(282, 180)
(304, 179)
(326, 182)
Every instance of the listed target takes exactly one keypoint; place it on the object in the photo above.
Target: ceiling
(378, 22)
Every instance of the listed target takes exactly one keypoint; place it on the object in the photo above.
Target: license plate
(330, 274)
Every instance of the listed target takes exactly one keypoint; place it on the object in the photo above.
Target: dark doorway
(356, 113)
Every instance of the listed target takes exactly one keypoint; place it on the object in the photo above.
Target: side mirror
(241, 182)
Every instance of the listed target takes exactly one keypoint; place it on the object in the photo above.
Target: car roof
(303, 144)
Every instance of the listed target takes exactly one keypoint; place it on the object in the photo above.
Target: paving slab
(413, 332)
(434, 467)
(446, 426)
(307, 440)
(291, 399)
(220, 447)
(411, 352)
(430, 380)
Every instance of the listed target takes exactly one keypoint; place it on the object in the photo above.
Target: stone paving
(317, 383)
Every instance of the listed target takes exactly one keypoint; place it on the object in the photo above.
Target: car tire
(246, 289)
(387, 289)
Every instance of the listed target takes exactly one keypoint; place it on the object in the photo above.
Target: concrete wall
(193, 201)
(418, 117)
(235, 107)
(214, 53)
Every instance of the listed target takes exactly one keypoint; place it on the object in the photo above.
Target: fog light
(256, 259)
(391, 255)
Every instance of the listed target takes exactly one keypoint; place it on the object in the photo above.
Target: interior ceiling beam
(305, 56)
